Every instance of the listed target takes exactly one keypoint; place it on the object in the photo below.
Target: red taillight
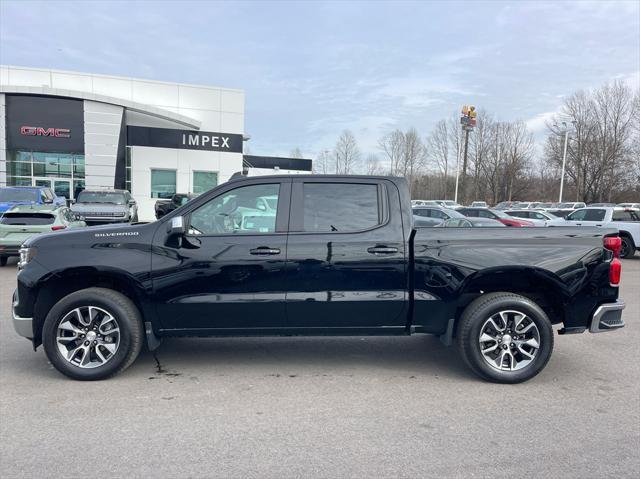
(615, 271)
(613, 243)
(57, 228)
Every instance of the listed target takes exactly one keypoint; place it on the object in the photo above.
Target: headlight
(26, 255)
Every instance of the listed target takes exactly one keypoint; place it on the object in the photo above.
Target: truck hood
(87, 236)
(10, 204)
(81, 208)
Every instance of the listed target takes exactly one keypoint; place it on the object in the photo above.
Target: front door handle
(382, 250)
(264, 250)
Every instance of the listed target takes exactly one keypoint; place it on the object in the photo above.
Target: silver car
(106, 206)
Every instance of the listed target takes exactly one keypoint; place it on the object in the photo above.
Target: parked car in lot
(424, 216)
(629, 205)
(162, 207)
(494, 215)
(22, 222)
(537, 217)
(504, 205)
(25, 195)
(465, 222)
(625, 220)
(541, 205)
(563, 209)
(106, 206)
(602, 204)
(340, 256)
(452, 205)
(479, 204)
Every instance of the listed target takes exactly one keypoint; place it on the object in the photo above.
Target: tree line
(602, 160)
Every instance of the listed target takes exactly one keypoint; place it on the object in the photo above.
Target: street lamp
(564, 154)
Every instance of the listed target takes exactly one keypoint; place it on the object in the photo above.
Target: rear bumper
(10, 249)
(23, 326)
(607, 317)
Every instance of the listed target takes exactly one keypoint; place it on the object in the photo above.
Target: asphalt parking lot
(314, 407)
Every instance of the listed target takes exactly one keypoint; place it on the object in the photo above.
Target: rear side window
(621, 215)
(438, 214)
(594, 215)
(26, 219)
(340, 207)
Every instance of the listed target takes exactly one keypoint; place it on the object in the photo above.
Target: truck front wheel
(93, 334)
(505, 337)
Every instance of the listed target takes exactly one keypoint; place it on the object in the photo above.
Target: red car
(494, 215)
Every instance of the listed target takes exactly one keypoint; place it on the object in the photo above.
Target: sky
(312, 69)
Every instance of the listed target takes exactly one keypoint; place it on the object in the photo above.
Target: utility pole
(468, 122)
(455, 198)
(564, 156)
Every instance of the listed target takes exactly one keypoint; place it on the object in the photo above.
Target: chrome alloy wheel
(88, 336)
(509, 340)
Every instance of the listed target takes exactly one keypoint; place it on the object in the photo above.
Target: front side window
(239, 211)
(163, 183)
(595, 215)
(204, 181)
(577, 215)
(340, 207)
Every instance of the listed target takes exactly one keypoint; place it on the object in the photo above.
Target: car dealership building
(73, 131)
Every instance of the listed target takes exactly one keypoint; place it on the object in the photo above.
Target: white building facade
(72, 131)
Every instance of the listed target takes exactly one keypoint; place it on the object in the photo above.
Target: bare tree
(296, 153)
(374, 167)
(323, 164)
(392, 146)
(600, 155)
(440, 152)
(346, 154)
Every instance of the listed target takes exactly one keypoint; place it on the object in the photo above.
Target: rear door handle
(264, 250)
(382, 250)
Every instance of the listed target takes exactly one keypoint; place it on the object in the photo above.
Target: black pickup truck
(313, 255)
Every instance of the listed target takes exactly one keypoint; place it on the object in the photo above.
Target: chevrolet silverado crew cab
(313, 255)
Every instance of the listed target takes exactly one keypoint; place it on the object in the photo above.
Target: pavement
(324, 407)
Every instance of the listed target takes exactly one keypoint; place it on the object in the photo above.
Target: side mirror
(176, 226)
(132, 202)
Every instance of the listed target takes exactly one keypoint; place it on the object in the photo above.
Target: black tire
(471, 323)
(129, 321)
(627, 249)
(3, 260)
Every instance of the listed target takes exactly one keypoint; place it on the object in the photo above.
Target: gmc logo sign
(39, 131)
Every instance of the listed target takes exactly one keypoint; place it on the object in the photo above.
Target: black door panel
(228, 271)
(340, 279)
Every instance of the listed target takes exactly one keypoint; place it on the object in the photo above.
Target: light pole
(564, 157)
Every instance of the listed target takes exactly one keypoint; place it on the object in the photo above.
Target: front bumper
(607, 317)
(23, 326)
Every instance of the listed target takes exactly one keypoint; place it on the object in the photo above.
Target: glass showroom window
(163, 183)
(204, 181)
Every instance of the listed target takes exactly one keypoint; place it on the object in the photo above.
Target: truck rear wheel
(93, 334)
(505, 337)
(627, 248)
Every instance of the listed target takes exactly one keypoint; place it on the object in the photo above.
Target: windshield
(25, 219)
(272, 202)
(15, 195)
(500, 214)
(101, 197)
